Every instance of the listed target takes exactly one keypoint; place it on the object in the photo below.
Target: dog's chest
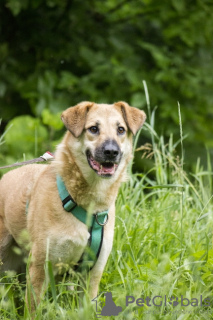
(66, 248)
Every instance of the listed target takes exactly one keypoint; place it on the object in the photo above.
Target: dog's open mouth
(104, 169)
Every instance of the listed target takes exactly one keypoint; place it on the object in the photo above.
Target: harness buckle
(100, 223)
(68, 203)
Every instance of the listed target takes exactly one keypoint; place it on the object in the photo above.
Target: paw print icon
(173, 301)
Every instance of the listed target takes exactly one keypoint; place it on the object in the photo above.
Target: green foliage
(52, 120)
(54, 54)
(30, 134)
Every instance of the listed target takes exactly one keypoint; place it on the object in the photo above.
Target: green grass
(162, 246)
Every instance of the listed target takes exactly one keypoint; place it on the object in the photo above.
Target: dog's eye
(121, 130)
(93, 129)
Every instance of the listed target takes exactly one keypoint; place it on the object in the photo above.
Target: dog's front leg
(95, 278)
(96, 274)
(34, 286)
(35, 281)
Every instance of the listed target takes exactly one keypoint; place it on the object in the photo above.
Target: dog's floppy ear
(74, 118)
(133, 117)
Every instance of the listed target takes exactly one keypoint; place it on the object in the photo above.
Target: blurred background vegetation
(56, 53)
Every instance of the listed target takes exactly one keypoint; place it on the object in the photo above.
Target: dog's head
(102, 135)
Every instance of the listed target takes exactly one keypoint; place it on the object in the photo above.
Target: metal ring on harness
(101, 224)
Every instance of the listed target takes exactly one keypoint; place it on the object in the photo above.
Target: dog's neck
(95, 191)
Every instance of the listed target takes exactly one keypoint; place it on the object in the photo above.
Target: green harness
(94, 222)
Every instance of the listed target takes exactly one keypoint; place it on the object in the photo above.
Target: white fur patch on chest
(66, 250)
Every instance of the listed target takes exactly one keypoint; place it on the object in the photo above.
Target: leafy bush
(28, 132)
(54, 54)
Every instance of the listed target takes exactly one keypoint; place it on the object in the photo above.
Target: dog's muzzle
(106, 158)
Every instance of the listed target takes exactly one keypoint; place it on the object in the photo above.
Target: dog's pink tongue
(101, 169)
(107, 170)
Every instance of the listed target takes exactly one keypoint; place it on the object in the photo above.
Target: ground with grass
(162, 252)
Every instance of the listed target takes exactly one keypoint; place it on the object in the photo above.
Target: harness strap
(94, 222)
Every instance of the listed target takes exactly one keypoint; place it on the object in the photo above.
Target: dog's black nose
(111, 150)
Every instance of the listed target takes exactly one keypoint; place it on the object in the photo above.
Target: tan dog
(92, 160)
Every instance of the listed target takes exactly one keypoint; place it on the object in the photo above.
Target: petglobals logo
(157, 301)
(109, 308)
